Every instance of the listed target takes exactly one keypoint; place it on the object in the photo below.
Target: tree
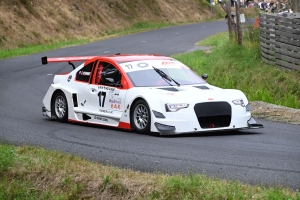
(234, 21)
(238, 27)
(296, 6)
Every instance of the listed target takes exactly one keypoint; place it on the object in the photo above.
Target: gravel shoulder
(275, 113)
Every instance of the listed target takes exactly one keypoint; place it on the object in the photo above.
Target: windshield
(145, 76)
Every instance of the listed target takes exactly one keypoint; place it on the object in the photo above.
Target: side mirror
(204, 76)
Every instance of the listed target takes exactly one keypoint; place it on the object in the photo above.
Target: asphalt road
(269, 156)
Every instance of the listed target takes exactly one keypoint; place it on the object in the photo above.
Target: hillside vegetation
(34, 22)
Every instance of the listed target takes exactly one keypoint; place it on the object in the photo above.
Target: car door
(105, 95)
(82, 78)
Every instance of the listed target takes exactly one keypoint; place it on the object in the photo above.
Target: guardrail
(280, 40)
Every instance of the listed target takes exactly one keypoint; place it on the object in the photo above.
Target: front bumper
(253, 125)
(165, 129)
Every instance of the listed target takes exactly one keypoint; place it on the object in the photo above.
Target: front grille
(213, 114)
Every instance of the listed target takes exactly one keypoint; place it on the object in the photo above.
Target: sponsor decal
(106, 88)
(142, 65)
(84, 73)
(115, 106)
(210, 98)
(117, 92)
(112, 96)
(106, 111)
(101, 118)
(115, 95)
(171, 94)
(115, 101)
(83, 103)
(69, 78)
(168, 63)
(167, 93)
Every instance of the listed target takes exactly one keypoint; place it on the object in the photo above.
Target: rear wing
(46, 60)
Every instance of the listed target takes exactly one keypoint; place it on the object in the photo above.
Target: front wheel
(60, 106)
(141, 117)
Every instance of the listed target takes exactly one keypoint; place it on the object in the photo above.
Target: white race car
(145, 93)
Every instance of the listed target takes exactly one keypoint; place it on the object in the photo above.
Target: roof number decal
(146, 65)
(128, 66)
(142, 65)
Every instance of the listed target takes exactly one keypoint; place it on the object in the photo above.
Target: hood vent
(169, 89)
(202, 87)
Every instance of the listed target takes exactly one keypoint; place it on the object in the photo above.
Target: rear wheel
(60, 106)
(141, 117)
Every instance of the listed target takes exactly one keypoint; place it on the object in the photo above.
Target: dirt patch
(275, 113)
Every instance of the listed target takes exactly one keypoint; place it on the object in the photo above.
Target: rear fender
(54, 89)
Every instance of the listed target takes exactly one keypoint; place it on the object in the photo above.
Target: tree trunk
(238, 23)
(228, 11)
(296, 6)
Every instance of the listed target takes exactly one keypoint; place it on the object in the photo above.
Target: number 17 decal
(101, 96)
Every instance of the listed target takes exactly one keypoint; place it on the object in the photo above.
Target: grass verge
(35, 173)
(230, 65)
(26, 50)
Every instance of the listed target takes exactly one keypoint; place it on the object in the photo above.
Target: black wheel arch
(134, 101)
(132, 110)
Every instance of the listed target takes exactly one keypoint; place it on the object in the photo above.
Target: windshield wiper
(165, 76)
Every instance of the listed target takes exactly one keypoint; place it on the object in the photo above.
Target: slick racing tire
(140, 117)
(60, 107)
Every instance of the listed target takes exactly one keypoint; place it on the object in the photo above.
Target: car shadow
(198, 134)
(213, 134)
(92, 126)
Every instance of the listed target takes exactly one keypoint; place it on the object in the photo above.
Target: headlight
(174, 107)
(239, 102)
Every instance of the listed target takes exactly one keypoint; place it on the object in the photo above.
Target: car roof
(121, 58)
